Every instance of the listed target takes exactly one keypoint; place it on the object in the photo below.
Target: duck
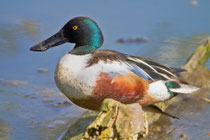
(87, 75)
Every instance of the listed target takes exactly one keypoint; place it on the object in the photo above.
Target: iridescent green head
(82, 31)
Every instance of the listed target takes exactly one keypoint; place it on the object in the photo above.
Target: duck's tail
(156, 109)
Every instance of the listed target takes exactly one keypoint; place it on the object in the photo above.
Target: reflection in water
(30, 29)
(8, 40)
(4, 130)
(171, 48)
(33, 111)
(10, 35)
(176, 51)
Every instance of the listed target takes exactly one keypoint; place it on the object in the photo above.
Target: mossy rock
(197, 74)
(114, 121)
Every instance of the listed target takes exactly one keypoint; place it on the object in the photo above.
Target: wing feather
(151, 68)
(144, 67)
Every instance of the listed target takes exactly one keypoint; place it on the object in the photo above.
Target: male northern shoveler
(87, 76)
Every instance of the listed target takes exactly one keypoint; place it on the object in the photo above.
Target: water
(27, 106)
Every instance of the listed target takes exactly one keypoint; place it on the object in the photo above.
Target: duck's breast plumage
(72, 78)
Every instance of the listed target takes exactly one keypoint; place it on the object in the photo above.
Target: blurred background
(31, 107)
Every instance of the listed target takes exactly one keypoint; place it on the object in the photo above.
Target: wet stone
(135, 40)
(56, 123)
(61, 104)
(42, 70)
(114, 121)
(14, 83)
(183, 136)
(48, 92)
(47, 101)
(155, 128)
(31, 96)
(194, 3)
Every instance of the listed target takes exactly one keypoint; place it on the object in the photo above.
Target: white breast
(76, 80)
(68, 71)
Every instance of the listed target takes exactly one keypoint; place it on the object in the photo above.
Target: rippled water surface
(31, 107)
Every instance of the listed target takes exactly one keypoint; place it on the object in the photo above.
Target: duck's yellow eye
(75, 27)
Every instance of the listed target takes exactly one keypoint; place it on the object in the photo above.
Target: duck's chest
(74, 78)
(87, 83)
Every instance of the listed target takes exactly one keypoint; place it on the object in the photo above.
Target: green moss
(197, 73)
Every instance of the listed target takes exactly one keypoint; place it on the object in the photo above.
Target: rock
(130, 40)
(42, 70)
(76, 131)
(14, 83)
(197, 74)
(61, 104)
(47, 101)
(194, 3)
(115, 121)
(5, 130)
(153, 117)
(183, 136)
(31, 96)
(56, 123)
(49, 92)
(155, 128)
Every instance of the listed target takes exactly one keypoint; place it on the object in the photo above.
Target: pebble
(14, 83)
(136, 40)
(31, 96)
(194, 3)
(47, 101)
(155, 128)
(47, 92)
(56, 123)
(183, 136)
(61, 104)
(42, 70)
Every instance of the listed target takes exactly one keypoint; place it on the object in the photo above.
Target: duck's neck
(84, 49)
